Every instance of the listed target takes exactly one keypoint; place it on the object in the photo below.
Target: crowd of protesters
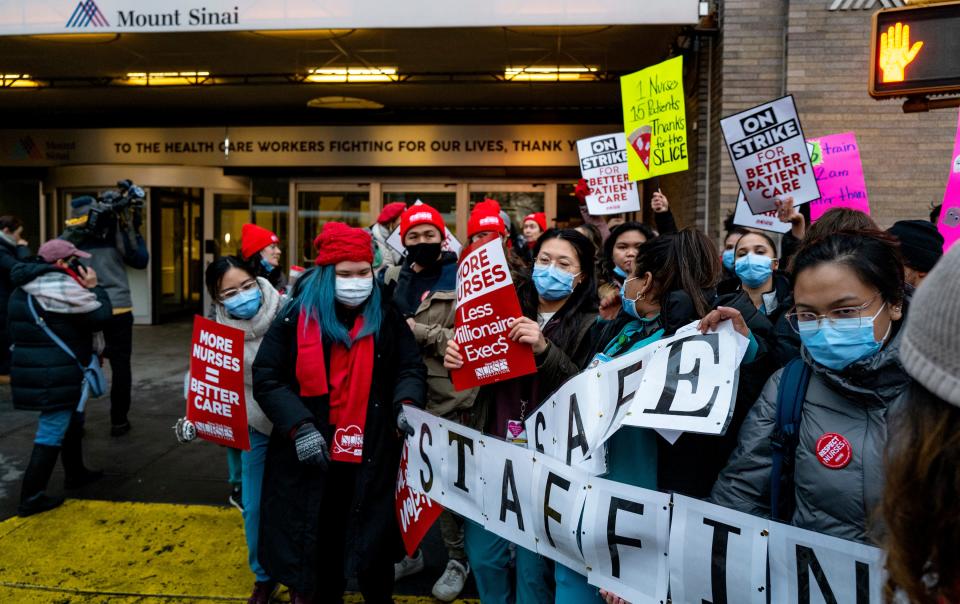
(850, 328)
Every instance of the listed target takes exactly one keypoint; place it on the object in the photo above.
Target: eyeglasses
(563, 264)
(233, 291)
(838, 318)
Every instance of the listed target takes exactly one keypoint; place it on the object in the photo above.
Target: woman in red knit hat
(333, 374)
(487, 218)
(260, 248)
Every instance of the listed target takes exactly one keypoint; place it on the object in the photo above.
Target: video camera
(100, 220)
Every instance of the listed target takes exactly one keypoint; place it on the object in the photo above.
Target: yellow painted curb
(144, 553)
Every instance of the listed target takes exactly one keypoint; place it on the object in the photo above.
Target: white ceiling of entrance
(447, 67)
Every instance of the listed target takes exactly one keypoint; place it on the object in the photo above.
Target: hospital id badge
(516, 432)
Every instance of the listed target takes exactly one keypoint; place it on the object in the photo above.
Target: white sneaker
(450, 583)
(408, 566)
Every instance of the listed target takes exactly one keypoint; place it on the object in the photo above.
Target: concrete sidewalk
(147, 465)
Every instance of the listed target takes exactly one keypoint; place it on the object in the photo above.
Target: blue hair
(315, 295)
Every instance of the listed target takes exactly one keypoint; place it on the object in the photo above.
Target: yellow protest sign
(655, 120)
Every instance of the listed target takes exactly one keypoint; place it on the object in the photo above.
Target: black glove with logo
(311, 448)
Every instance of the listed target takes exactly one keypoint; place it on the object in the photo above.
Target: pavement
(157, 527)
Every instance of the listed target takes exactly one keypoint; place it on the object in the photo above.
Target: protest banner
(216, 402)
(809, 567)
(839, 174)
(622, 537)
(716, 554)
(766, 221)
(416, 512)
(769, 155)
(603, 164)
(949, 223)
(655, 120)
(487, 305)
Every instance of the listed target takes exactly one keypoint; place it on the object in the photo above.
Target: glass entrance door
(516, 200)
(319, 204)
(178, 229)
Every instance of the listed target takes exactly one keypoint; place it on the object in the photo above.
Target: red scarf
(351, 374)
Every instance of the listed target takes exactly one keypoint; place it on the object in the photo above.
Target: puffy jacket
(435, 319)
(42, 376)
(853, 403)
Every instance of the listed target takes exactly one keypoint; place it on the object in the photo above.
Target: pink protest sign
(836, 164)
(950, 211)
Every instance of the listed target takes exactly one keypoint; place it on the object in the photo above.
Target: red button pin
(834, 451)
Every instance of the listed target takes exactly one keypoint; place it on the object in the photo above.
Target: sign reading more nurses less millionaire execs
(770, 155)
(603, 164)
(487, 305)
(655, 120)
(839, 174)
(215, 396)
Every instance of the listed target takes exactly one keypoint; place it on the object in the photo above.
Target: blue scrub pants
(489, 557)
(253, 462)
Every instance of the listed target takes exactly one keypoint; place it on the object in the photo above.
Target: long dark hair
(584, 296)
(921, 499)
(607, 264)
(872, 254)
(218, 268)
(683, 261)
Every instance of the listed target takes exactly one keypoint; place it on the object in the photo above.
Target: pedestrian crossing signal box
(915, 51)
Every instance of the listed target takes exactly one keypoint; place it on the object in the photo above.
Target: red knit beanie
(418, 214)
(485, 218)
(254, 238)
(338, 242)
(540, 218)
(391, 211)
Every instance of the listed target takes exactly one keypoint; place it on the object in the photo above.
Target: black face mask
(424, 254)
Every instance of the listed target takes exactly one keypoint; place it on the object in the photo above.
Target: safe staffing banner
(770, 155)
(655, 120)
(487, 305)
(215, 396)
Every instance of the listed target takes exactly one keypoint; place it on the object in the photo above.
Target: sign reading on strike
(655, 120)
(603, 164)
(839, 174)
(487, 305)
(770, 155)
(416, 512)
(215, 400)
(949, 224)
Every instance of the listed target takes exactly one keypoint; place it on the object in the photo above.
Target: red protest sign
(487, 304)
(215, 400)
(416, 512)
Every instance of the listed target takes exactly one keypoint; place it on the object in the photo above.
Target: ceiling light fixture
(17, 80)
(551, 74)
(352, 75)
(168, 78)
(343, 102)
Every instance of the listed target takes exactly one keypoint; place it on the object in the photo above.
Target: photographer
(108, 229)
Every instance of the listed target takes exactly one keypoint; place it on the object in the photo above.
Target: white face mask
(353, 291)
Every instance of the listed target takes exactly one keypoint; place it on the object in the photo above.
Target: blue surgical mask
(629, 306)
(266, 265)
(728, 259)
(754, 269)
(552, 283)
(619, 272)
(245, 304)
(844, 342)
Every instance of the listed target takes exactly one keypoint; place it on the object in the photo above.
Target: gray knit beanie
(930, 350)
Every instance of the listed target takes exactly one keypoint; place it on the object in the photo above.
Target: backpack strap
(791, 393)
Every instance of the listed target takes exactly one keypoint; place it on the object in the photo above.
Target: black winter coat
(42, 376)
(10, 255)
(291, 529)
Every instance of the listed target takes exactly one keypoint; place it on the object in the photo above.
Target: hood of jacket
(877, 380)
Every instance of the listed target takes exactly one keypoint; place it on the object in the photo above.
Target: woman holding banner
(248, 303)
(559, 305)
(335, 367)
(826, 474)
(922, 494)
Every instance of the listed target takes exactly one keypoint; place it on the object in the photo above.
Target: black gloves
(311, 448)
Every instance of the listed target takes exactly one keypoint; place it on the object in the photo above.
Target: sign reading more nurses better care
(487, 305)
(655, 120)
(603, 164)
(215, 396)
(770, 155)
